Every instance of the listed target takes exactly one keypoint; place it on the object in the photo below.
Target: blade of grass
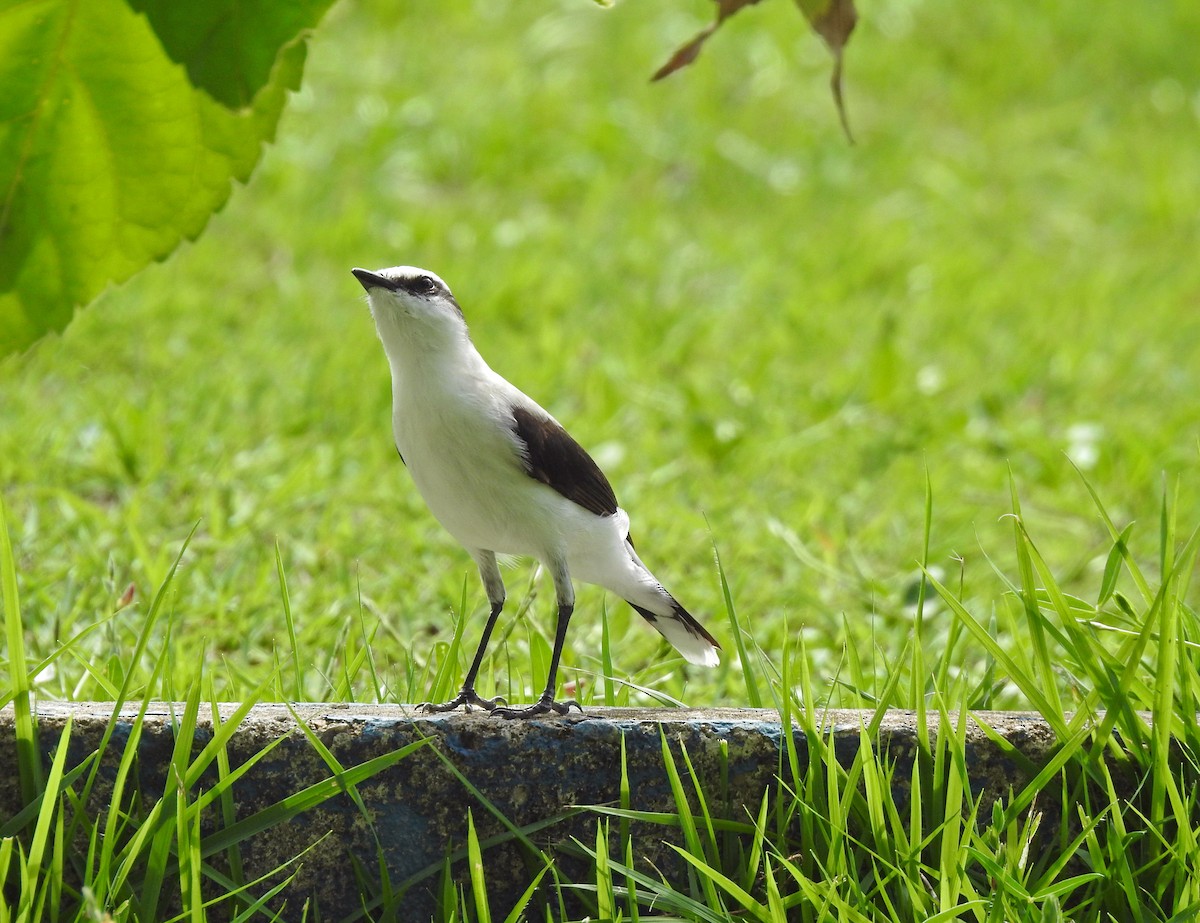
(446, 679)
(139, 648)
(41, 830)
(158, 867)
(658, 894)
(232, 892)
(187, 836)
(918, 676)
(1043, 662)
(369, 648)
(1029, 685)
(1130, 564)
(29, 759)
(691, 836)
(350, 791)
(486, 843)
(753, 696)
(1112, 565)
(483, 912)
(606, 664)
(126, 765)
(754, 858)
(67, 647)
(606, 901)
(518, 909)
(285, 599)
(23, 818)
(306, 799)
(728, 885)
(225, 798)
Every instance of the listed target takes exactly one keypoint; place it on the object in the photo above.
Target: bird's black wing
(551, 456)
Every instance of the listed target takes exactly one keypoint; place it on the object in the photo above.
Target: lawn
(775, 343)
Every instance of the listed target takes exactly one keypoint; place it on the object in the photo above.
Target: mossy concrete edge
(529, 771)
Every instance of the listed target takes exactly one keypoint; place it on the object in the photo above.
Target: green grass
(838, 365)
(1000, 274)
(1105, 830)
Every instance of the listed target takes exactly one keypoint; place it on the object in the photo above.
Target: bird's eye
(426, 285)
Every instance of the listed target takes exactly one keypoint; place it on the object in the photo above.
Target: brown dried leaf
(833, 20)
(685, 55)
(689, 52)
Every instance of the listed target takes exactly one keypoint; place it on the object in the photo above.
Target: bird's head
(410, 303)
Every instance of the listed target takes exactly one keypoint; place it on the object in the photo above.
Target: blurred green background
(767, 337)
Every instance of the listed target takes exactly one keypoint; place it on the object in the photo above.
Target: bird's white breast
(454, 428)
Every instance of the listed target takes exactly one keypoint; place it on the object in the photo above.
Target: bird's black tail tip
(684, 632)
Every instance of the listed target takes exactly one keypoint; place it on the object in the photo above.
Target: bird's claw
(467, 697)
(541, 707)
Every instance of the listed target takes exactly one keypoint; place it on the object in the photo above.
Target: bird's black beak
(370, 280)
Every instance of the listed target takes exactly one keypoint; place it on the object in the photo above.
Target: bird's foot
(467, 697)
(543, 706)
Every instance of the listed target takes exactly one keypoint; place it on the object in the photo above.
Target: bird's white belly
(471, 479)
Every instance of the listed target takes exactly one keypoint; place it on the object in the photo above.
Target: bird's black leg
(467, 696)
(546, 703)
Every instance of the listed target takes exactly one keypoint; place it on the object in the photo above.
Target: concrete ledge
(529, 770)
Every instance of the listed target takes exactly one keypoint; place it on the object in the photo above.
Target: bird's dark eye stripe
(421, 285)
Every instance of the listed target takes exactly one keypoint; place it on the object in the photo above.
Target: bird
(503, 477)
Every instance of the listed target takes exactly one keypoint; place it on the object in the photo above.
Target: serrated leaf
(109, 156)
(229, 47)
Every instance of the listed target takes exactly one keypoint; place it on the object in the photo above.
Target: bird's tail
(686, 634)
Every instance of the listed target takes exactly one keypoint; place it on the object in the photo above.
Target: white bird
(504, 477)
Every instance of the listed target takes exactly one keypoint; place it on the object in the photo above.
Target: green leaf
(109, 155)
(229, 47)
